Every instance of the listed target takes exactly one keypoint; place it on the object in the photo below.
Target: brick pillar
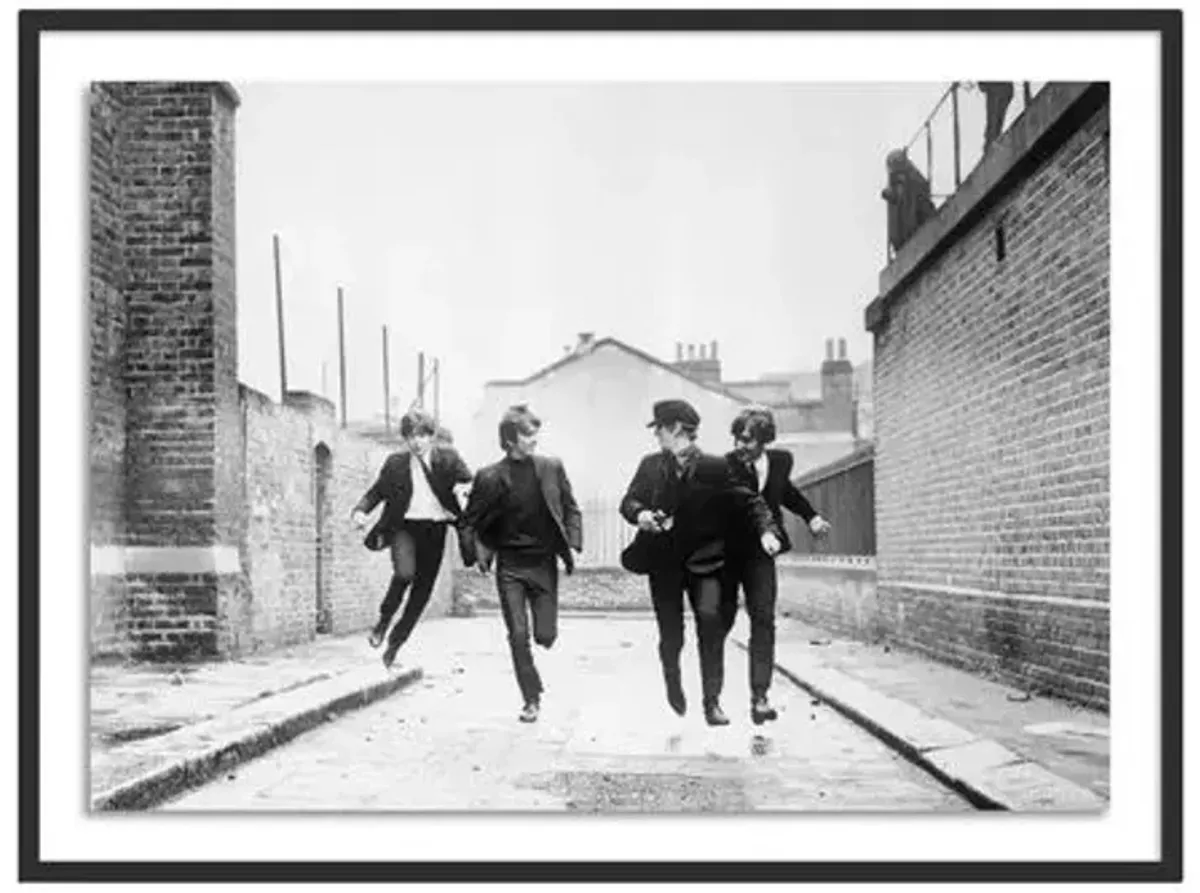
(182, 418)
(106, 441)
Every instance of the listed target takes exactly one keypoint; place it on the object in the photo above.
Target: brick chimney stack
(837, 388)
(701, 363)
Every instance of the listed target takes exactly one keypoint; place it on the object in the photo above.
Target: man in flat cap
(685, 504)
(523, 512)
(748, 565)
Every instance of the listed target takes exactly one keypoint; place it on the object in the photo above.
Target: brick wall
(164, 363)
(179, 360)
(106, 441)
(204, 518)
(836, 593)
(295, 453)
(992, 424)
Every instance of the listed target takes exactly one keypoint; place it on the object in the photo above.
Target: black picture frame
(1167, 24)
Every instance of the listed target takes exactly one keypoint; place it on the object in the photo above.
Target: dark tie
(671, 493)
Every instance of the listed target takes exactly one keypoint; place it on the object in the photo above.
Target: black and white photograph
(518, 446)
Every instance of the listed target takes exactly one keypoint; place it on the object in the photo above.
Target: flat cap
(668, 412)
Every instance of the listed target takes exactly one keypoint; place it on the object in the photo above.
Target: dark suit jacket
(707, 503)
(393, 488)
(778, 493)
(488, 500)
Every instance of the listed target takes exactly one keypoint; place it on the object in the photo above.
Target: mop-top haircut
(518, 419)
(415, 422)
(756, 423)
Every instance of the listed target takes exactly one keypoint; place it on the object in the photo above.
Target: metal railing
(961, 109)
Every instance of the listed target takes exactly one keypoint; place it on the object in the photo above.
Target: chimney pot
(703, 351)
(586, 337)
(713, 352)
(691, 351)
(841, 348)
(829, 348)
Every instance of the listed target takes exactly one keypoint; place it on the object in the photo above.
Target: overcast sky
(489, 225)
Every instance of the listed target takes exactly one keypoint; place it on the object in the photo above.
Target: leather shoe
(376, 637)
(714, 715)
(675, 696)
(761, 711)
(530, 712)
(389, 655)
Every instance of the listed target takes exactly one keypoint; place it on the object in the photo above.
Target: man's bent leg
(542, 583)
(430, 543)
(404, 561)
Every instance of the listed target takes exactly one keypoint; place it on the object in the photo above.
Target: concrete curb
(987, 774)
(210, 748)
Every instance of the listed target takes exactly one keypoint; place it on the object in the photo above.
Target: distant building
(817, 413)
(596, 400)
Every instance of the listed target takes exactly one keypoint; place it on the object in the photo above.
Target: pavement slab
(1001, 747)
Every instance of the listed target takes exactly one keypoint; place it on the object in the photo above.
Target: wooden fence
(844, 493)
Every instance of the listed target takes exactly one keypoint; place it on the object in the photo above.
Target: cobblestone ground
(606, 741)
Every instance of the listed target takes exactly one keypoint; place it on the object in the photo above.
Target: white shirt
(760, 468)
(424, 506)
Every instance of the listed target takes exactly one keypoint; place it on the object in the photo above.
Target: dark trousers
(998, 96)
(528, 586)
(756, 577)
(417, 550)
(706, 595)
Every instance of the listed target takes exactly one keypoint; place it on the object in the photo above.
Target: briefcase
(644, 554)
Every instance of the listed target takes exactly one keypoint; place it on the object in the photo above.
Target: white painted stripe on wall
(120, 560)
(964, 592)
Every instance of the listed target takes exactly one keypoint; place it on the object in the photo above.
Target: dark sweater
(526, 527)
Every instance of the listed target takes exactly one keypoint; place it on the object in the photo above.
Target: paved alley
(606, 740)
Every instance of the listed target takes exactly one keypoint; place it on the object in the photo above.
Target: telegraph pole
(387, 395)
(279, 315)
(437, 388)
(421, 379)
(342, 354)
